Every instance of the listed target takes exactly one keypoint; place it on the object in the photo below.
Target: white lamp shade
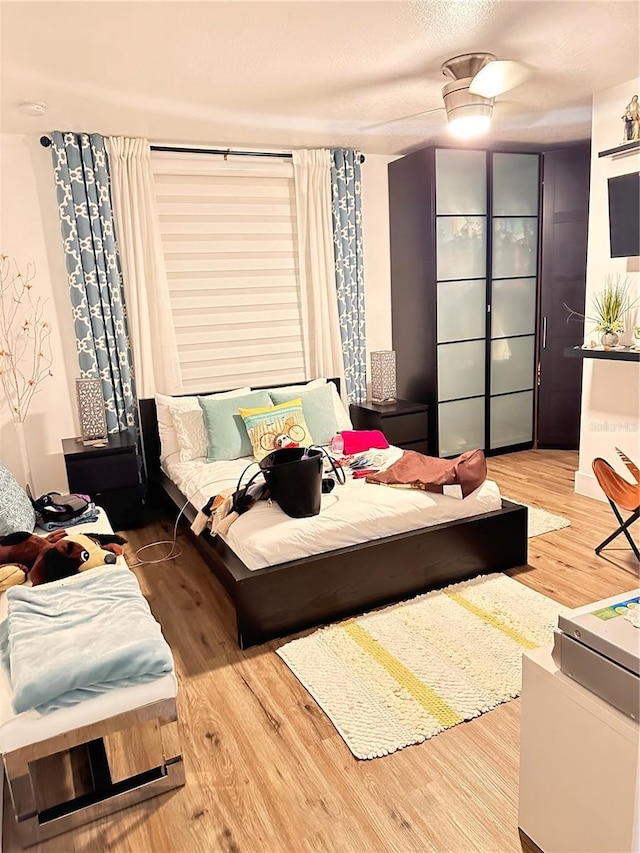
(91, 413)
(383, 376)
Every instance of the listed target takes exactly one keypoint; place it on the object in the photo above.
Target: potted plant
(609, 308)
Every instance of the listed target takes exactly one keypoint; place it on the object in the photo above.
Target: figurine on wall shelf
(631, 118)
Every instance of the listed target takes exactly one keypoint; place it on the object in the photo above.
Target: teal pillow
(318, 407)
(227, 436)
(16, 510)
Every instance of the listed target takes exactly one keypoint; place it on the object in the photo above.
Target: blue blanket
(65, 643)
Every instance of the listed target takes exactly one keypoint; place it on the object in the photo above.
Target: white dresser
(579, 765)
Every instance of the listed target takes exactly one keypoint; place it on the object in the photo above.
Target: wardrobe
(465, 259)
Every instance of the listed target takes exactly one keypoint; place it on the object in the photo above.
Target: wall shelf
(627, 354)
(621, 149)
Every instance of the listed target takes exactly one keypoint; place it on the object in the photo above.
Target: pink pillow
(357, 440)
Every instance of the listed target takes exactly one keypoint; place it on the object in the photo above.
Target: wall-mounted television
(624, 215)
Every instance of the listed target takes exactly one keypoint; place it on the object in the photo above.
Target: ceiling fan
(476, 79)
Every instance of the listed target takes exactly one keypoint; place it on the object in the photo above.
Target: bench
(83, 740)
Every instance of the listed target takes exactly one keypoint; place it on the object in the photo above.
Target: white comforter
(351, 514)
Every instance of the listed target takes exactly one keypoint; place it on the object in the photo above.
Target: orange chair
(620, 493)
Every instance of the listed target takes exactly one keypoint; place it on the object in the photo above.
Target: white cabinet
(579, 760)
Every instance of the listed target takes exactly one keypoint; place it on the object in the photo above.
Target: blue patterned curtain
(346, 205)
(95, 282)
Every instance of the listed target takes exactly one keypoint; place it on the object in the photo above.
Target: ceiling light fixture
(468, 114)
(466, 126)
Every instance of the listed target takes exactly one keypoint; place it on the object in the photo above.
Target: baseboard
(587, 485)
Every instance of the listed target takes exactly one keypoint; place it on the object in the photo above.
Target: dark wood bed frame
(288, 597)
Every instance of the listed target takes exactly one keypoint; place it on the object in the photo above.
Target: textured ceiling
(305, 73)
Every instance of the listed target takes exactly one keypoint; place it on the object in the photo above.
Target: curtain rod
(177, 149)
(45, 141)
(226, 152)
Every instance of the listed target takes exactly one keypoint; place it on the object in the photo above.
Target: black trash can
(294, 478)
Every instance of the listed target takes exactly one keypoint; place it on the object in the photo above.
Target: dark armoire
(465, 260)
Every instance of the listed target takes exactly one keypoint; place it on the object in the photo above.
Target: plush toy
(43, 559)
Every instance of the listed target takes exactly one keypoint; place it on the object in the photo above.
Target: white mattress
(351, 514)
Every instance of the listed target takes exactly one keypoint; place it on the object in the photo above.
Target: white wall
(30, 232)
(610, 389)
(377, 259)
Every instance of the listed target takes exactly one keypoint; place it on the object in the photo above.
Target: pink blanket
(358, 440)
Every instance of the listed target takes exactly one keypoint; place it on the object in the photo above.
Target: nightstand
(109, 474)
(403, 423)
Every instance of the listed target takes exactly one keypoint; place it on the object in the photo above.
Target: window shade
(229, 237)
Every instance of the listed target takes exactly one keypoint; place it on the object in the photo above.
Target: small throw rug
(399, 675)
(542, 521)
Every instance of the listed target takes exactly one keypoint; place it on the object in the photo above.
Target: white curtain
(320, 320)
(153, 340)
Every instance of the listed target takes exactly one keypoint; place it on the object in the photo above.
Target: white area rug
(542, 521)
(402, 674)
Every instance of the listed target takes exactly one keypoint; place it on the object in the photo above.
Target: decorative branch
(25, 346)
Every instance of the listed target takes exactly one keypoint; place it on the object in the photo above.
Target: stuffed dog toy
(43, 559)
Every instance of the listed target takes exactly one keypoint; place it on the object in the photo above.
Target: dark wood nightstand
(403, 423)
(109, 474)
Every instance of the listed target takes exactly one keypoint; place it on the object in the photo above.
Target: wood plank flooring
(266, 770)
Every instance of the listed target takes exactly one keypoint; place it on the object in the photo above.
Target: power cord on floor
(173, 542)
(171, 555)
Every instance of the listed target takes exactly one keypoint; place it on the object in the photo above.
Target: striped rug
(402, 674)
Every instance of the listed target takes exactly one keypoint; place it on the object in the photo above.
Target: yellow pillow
(272, 427)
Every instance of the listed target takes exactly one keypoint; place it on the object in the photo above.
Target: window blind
(229, 238)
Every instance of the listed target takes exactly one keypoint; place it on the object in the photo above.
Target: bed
(315, 585)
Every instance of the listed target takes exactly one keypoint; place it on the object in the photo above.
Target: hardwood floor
(266, 770)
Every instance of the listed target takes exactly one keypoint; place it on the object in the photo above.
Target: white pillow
(189, 437)
(300, 388)
(168, 439)
(190, 432)
(340, 411)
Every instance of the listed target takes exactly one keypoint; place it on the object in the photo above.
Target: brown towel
(469, 471)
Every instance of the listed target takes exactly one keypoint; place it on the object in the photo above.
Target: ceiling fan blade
(497, 77)
(401, 118)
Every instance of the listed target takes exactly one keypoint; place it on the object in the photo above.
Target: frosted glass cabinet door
(461, 181)
(511, 419)
(461, 370)
(515, 247)
(513, 307)
(460, 426)
(462, 310)
(512, 363)
(515, 184)
(460, 247)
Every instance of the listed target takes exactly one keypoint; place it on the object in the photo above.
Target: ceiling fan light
(467, 114)
(466, 126)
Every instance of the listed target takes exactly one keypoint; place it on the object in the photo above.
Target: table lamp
(383, 376)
